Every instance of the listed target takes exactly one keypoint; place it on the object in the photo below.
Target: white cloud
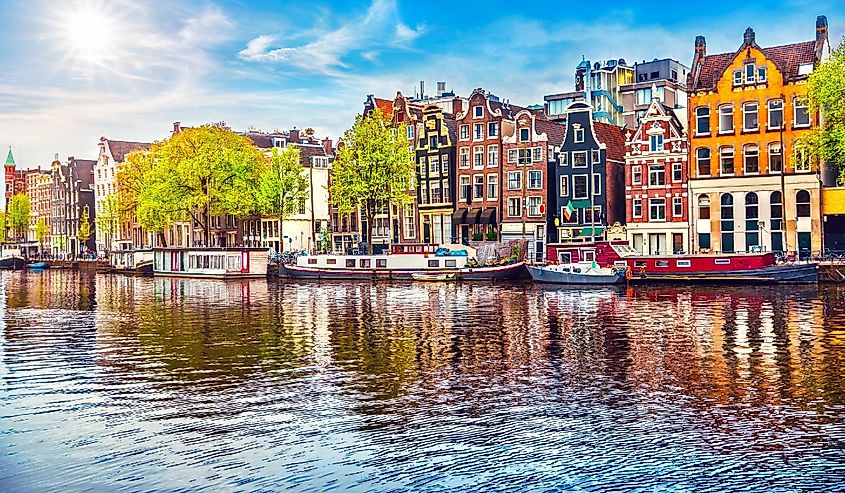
(405, 34)
(212, 26)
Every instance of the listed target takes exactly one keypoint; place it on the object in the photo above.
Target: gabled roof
(120, 148)
(10, 160)
(787, 58)
(385, 105)
(554, 131)
(612, 137)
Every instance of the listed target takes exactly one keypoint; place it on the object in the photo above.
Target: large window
(702, 159)
(478, 131)
(436, 198)
(801, 159)
(464, 158)
(515, 180)
(463, 192)
(802, 116)
(726, 157)
(637, 209)
(564, 185)
(579, 186)
(802, 203)
(656, 143)
(775, 158)
(657, 209)
(750, 156)
(492, 129)
(492, 156)
(677, 206)
(656, 175)
(579, 159)
(677, 173)
(775, 114)
(752, 214)
(727, 223)
(776, 219)
(533, 206)
(702, 120)
(726, 118)
(749, 117)
(478, 157)
(514, 207)
(704, 206)
(478, 187)
(535, 179)
(492, 186)
(464, 132)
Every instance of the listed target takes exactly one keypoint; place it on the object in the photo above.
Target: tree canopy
(374, 167)
(826, 93)
(42, 230)
(18, 214)
(282, 186)
(108, 217)
(85, 230)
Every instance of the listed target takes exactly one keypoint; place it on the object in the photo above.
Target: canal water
(114, 383)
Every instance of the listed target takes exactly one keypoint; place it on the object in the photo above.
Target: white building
(111, 156)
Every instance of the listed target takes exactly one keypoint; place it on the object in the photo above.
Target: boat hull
(12, 263)
(785, 274)
(37, 265)
(497, 273)
(542, 275)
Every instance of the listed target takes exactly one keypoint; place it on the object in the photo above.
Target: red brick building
(656, 183)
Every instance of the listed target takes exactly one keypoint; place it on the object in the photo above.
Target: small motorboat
(12, 262)
(37, 265)
(577, 273)
(433, 277)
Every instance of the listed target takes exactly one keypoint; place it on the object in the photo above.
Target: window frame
(575, 179)
(637, 174)
(745, 114)
(654, 204)
(722, 155)
(677, 206)
(796, 105)
(699, 117)
(576, 154)
(564, 186)
(637, 208)
(770, 110)
(722, 114)
(745, 155)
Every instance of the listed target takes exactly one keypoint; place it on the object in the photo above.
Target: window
(381, 263)
(535, 179)
(410, 132)
(492, 156)
(775, 158)
(464, 158)
(478, 187)
(514, 180)
(802, 203)
(434, 165)
(564, 158)
(751, 159)
(637, 208)
(478, 131)
(750, 71)
(410, 224)
(749, 117)
(656, 175)
(579, 159)
(463, 192)
(702, 158)
(726, 118)
(534, 206)
(423, 193)
(512, 153)
(564, 185)
(514, 207)
(704, 206)
(656, 143)
(761, 74)
(464, 132)
(350, 262)
(775, 114)
(478, 111)
(752, 213)
(596, 184)
(492, 186)
(432, 142)
(802, 117)
(435, 193)
(702, 120)
(579, 135)
(523, 135)
(434, 263)
(579, 186)
(492, 129)
(451, 263)
(727, 223)
(593, 215)
(636, 175)
(802, 159)
(657, 209)
(677, 173)
(737, 77)
(726, 157)
(683, 263)
(727, 201)
(445, 160)
(595, 156)
(677, 206)
(776, 213)
(478, 157)
(536, 154)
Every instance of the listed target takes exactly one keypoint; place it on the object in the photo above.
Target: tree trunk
(207, 227)
(371, 216)
(281, 236)
(162, 239)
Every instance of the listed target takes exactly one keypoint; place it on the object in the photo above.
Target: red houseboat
(728, 267)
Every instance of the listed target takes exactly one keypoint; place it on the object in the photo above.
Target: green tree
(199, 172)
(83, 233)
(41, 232)
(826, 93)
(18, 214)
(108, 218)
(374, 168)
(282, 187)
(2, 227)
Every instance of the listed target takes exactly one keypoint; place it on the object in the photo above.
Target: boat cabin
(220, 263)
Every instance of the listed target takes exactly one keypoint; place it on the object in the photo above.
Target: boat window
(350, 262)
(564, 257)
(364, 263)
(589, 255)
(434, 263)
(312, 261)
(381, 263)
(723, 261)
(451, 263)
(576, 270)
(620, 263)
(683, 263)
(661, 263)
(640, 263)
(331, 261)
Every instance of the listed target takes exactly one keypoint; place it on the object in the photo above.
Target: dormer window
(523, 135)
(761, 74)
(805, 69)
(478, 111)
(656, 143)
(750, 73)
(737, 77)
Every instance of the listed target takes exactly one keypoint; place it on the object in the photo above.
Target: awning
(488, 216)
(459, 216)
(598, 230)
(580, 204)
(473, 217)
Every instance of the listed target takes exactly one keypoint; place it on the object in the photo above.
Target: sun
(88, 33)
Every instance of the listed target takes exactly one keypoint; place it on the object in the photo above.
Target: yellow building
(750, 186)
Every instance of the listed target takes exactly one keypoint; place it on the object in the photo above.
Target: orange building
(751, 187)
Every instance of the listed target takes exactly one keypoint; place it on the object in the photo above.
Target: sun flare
(88, 33)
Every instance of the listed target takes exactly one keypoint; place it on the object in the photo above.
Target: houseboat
(133, 262)
(577, 273)
(418, 261)
(215, 263)
(11, 259)
(759, 267)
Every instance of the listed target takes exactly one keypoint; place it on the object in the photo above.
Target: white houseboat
(216, 263)
(135, 262)
(418, 261)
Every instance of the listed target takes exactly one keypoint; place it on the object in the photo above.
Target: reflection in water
(117, 382)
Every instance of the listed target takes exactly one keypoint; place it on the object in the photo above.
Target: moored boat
(210, 262)
(133, 262)
(12, 262)
(37, 265)
(578, 273)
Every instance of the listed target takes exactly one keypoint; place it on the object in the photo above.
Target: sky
(72, 71)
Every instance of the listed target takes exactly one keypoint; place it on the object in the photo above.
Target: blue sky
(75, 70)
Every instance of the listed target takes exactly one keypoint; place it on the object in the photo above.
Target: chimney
(327, 145)
(821, 37)
(748, 37)
(294, 135)
(422, 89)
(177, 127)
(441, 88)
(700, 47)
(457, 105)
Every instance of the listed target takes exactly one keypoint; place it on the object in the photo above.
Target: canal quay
(114, 383)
